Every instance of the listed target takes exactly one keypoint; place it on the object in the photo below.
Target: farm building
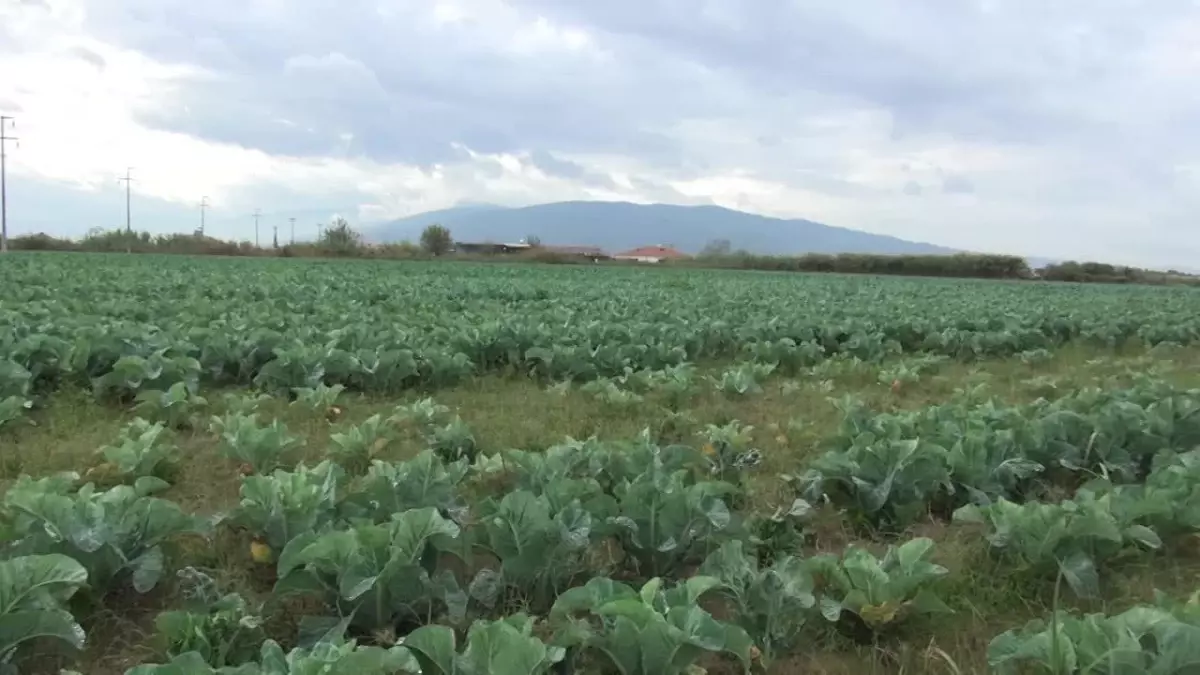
(651, 254)
(489, 247)
(593, 252)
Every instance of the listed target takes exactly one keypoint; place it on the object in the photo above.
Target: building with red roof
(651, 254)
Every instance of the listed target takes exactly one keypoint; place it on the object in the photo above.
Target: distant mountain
(618, 226)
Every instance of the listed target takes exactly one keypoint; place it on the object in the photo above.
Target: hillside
(616, 226)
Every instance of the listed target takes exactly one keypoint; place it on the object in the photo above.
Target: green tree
(436, 240)
(341, 239)
(717, 248)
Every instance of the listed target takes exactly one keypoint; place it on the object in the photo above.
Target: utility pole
(203, 205)
(293, 220)
(275, 236)
(319, 228)
(257, 213)
(128, 226)
(5, 121)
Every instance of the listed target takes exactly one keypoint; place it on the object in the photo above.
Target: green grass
(790, 422)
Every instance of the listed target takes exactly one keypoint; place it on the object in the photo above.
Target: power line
(293, 229)
(5, 121)
(128, 223)
(203, 205)
(257, 213)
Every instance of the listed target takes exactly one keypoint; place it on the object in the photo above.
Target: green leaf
(22, 625)
(1144, 536)
(927, 602)
(433, 647)
(830, 609)
(33, 594)
(506, 647)
(1079, 571)
(147, 570)
(146, 486)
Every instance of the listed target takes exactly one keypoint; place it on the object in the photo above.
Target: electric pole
(128, 179)
(257, 213)
(203, 205)
(319, 228)
(5, 122)
(293, 220)
(274, 236)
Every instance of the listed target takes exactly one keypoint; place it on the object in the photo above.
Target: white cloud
(1064, 130)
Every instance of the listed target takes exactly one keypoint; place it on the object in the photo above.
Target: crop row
(636, 557)
(1130, 456)
(385, 327)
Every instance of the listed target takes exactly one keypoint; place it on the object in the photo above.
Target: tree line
(340, 240)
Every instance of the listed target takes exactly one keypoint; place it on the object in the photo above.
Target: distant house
(651, 254)
(593, 252)
(489, 247)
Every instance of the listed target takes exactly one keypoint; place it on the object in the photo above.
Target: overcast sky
(1064, 129)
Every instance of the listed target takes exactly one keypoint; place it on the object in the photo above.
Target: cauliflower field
(291, 467)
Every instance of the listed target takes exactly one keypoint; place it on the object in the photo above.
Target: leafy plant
(675, 383)
(332, 658)
(358, 445)
(772, 604)
(674, 426)
(244, 404)
(378, 575)
(395, 487)
(1068, 538)
(654, 631)
(504, 647)
(34, 591)
(1033, 357)
(422, 414)
(666, 519)
(728, 449)
(541, 546)
(141, 450)
(611, 394)
(743, 379)
(159, 371)
(111, 533)
(177, 407)
(453, 441)
(285, 504)
(319, 398)
(224, 630)
(782, 532)
(12, 408)
(884, 482)
(878, 594)
(261, 448)
(785, 353)
(1140, 640)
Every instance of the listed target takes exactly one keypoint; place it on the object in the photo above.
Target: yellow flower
(708, 449)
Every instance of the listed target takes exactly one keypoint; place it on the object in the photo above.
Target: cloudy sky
(1063, 129)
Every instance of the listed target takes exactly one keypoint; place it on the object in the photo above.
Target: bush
(960, 265)
(436, 240)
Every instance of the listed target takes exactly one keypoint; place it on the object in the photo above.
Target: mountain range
(618, 226)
